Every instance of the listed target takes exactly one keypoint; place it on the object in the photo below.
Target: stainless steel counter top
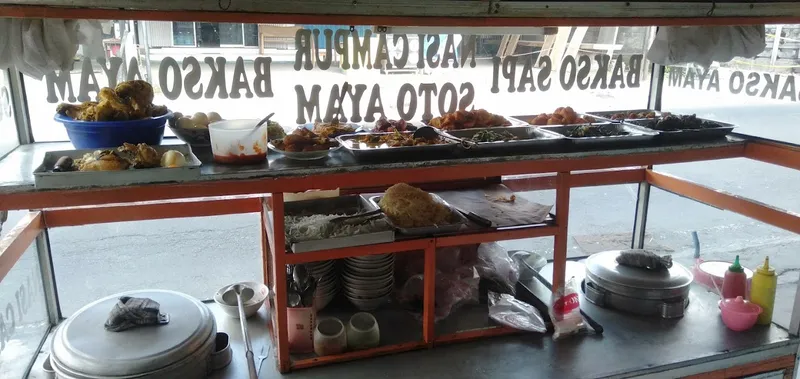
(16, 169)
(630, 347)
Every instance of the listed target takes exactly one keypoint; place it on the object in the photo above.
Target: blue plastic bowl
(99, 134)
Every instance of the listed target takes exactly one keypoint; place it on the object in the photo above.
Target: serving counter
(696, 344)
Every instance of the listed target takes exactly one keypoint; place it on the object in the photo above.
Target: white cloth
(40, 46)
(706, 44)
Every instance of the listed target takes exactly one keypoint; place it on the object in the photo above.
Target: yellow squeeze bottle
(762, 291)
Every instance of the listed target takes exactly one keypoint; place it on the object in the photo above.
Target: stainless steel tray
(529, 137)
(45, 178)
(635, 134)
(606, 115)
(350, 205)
(361, 150)
(686, 134)
(425, 230)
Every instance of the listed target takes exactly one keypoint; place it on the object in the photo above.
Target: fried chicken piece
(81, 111)
(141, 155)
(157, 110)
(111, 107)
(102, 160)
(138, 94)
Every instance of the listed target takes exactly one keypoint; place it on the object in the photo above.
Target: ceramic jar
(329, 337)
(363, 331)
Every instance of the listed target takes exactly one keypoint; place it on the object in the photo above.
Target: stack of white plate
(327, 282)
(368, 281)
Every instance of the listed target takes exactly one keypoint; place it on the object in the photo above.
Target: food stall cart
(630, 346)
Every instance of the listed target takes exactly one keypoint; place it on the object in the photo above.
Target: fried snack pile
(332, 129)
(303, 140)
(410, 207)
(124, 157)
(562, 116)
(397, 139)
(131, 100)
(468, 119)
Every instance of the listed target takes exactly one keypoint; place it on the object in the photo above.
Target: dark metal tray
(686, 134)
(361, 150)
(635, 134)
(608, 114)
(529, 137)
(348, 205)
(425, 230)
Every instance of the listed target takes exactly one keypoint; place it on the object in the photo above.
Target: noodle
(411, 207)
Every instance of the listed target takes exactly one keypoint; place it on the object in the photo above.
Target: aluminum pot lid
(81, 343)
(604, 266)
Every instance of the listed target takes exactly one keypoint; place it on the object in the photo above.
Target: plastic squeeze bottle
(762, 291)
(734, 283)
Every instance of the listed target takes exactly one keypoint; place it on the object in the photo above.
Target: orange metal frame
(570, 173)
(32, 11)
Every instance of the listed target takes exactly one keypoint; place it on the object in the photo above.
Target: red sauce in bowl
(240, 159)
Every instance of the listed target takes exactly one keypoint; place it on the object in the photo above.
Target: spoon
(429, 133)
(262, 122)
(238, 294)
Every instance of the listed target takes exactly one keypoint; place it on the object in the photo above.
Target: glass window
(723, 235)
(183, 34)
(231, 34)
(196, 256)
(23, 315)
(595, 69)
(251, 34)
(759, 95)
(8, 125)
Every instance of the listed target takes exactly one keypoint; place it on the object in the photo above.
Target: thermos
(762, 291)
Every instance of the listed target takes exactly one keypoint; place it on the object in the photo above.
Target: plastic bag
(452, 290)
(496, 266)
(705, 44)
(565, 311)
(507, 310)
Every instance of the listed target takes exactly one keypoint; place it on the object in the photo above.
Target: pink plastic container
(739, 314)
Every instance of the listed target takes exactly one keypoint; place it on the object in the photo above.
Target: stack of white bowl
(368, 281)
(327, 282)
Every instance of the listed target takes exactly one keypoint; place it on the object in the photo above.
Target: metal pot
(663, 293)
(83, 349)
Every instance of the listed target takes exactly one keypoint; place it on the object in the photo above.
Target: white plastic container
(235, 142)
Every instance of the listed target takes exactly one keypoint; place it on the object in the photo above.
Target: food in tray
(398, 139)
(131, 100)
(127, 156)
(463, 119)
(502, 199)
(561, 116)
(584, 131)
(673, 123)
(303, 140)
(318, 226)
(385, 125)
(410, 207)
(633, 115)
(173, 159)
(332, 129)
(493, 136)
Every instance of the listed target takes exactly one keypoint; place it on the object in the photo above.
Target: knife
(594, 324)
(472, 216)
